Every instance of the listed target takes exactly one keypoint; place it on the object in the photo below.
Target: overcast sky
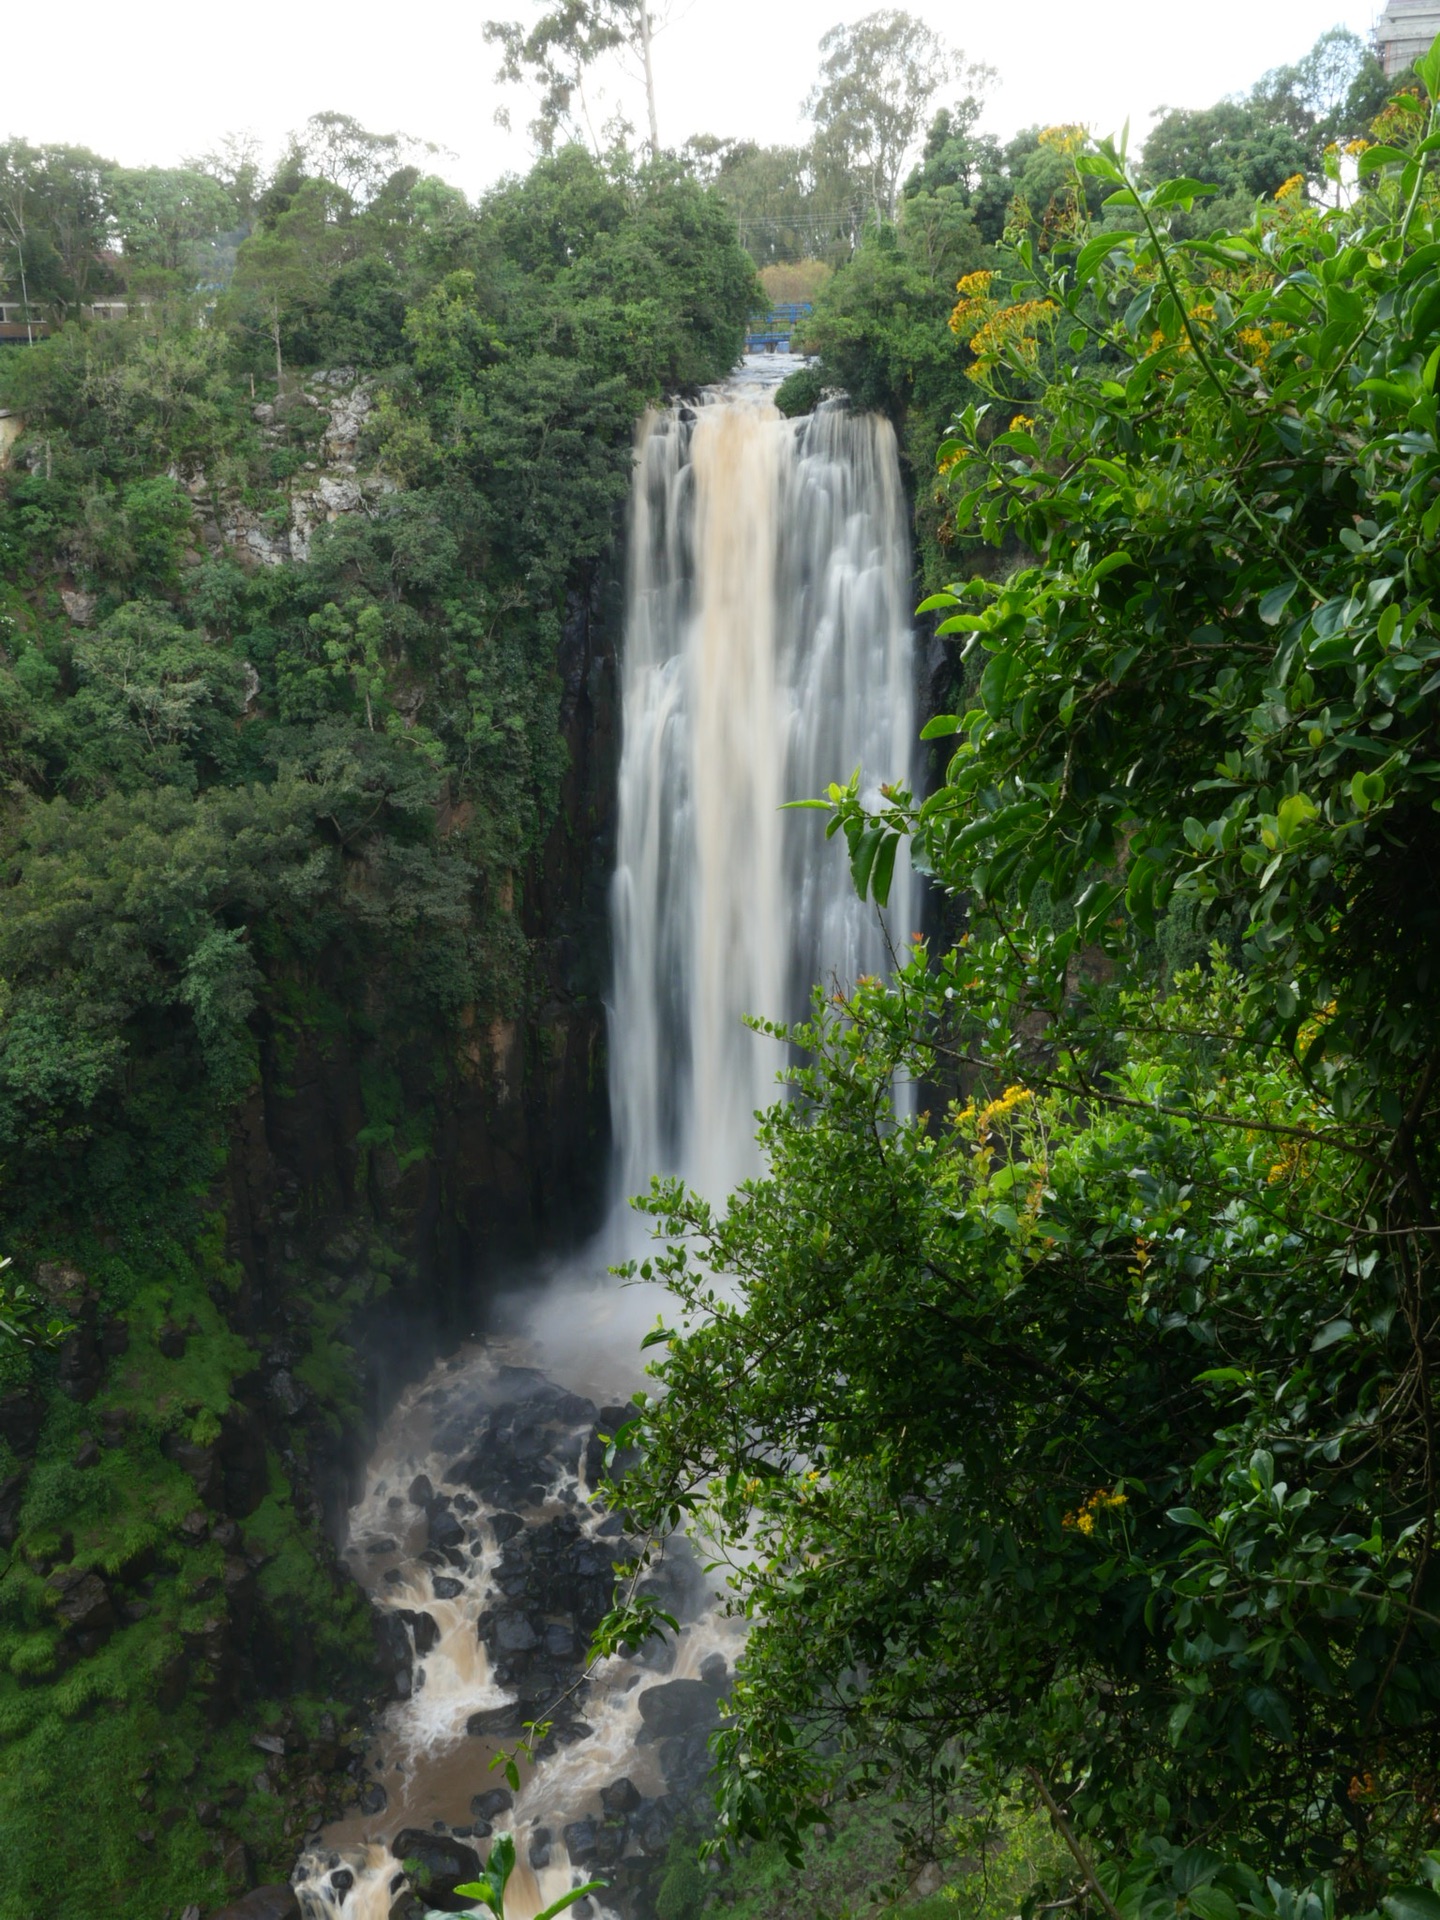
(154, 80)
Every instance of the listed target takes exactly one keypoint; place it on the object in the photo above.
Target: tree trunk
(647, 41)
(275, 334)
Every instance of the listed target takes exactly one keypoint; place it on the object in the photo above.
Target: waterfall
(767, 652)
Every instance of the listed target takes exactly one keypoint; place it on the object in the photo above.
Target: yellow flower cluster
(1357, 146)
(1098, 1502)
(1001, 1109)
(1288, 189)
(1291, 1164)
(1022, 423)
(974, 291)
(1064, 139)
(1011, 330)
(1255, 344)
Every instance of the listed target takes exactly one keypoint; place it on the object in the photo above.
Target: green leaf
(994, 682)
(883, 870)
(1094, 252)
(1180, 193)
(1374, 158)
(1275, 602)
(1330, 1336)
(569, 1899)
(941, 725)
(1411, 1903)
(1295, 811)
(1428, 69)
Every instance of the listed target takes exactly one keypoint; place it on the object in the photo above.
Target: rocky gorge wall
(207, 1433)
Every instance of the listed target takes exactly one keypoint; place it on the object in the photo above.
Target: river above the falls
(767, 652)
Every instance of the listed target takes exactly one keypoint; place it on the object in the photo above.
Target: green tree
(161, 214)
(1079, 1435)
(53, 224)
(877, 80)
(555, 53)
(288, 263)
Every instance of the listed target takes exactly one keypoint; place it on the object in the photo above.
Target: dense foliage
(281, 590)
(881, 327)
(1078, 1433)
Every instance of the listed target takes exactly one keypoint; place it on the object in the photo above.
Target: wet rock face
(516, 1554)
(441, 1864)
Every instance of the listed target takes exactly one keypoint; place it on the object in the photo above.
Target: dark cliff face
(516, 1141)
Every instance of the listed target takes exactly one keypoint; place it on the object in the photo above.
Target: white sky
(148, 82)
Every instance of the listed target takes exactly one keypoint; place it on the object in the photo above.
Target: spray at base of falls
(767, 653)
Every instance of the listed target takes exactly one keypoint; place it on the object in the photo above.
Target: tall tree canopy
(1078, 1431)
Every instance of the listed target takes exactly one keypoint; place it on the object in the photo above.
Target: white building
(1403, 32)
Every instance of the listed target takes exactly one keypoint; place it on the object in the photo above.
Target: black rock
(374, 1799)
(514, 1634)
(485, 1806)
(421, 1493)
(444, 1529)
(621, 1796)
(677, 1706)
(422, 1625)
(201, 1465)
(82, 1601)
(445, 1862)
(610, 1841)
(492, 1720)
(171, 1340)
(446, 1588)
(653, 1826)
(540, 1841)
(579, 1839)
(715, 1671)
(505, 1526)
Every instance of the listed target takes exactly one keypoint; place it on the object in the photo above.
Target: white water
(767, 652)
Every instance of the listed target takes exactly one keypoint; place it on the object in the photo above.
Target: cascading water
(767, 652)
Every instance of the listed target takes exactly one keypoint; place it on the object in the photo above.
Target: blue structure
(770, 332)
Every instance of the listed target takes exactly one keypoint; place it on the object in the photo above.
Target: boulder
(423, 1627)
(20, 1415)
(444, 1864)
(677, 1706)
(199, 1462)
(610, 1838)
(579, 1838)
(715, 1671)
(444, 1529)
(82, 1601)
(485, 1806)
(493, 1720)
(172, 1340)
(621, 1796)
(514, 1634)
(653, 1827)
(447, 1588)
(540, 1841)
